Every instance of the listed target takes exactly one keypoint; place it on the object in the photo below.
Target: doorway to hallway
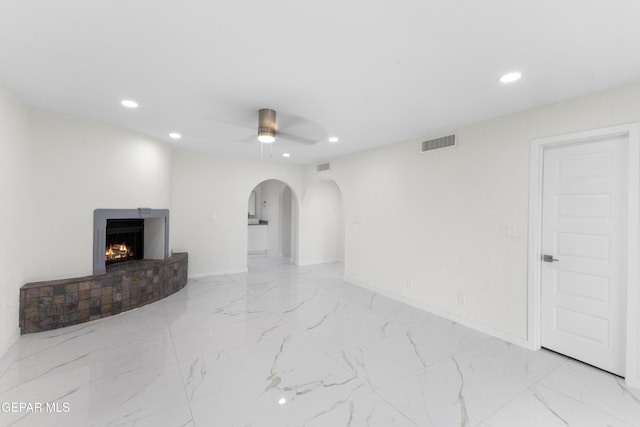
(272, 220)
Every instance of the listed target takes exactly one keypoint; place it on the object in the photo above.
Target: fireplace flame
(117, 252)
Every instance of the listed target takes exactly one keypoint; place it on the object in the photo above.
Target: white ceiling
(370, 72)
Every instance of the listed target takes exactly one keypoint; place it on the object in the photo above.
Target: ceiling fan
(268, 128)
(288, 127)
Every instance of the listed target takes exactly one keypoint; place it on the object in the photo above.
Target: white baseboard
(316, 262)
(215, 273)
(496, 333)
(633, 382)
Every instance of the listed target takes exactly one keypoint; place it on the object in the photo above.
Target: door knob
(548, 258)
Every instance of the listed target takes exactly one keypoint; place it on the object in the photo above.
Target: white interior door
(584, 239)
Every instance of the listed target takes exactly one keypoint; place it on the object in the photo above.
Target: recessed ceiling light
(286, 155)
(282, 401)
(175, 135)
(333, 139)
(510, 77)
(129, 103)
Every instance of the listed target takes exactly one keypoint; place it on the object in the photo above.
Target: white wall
(322, 224)
(209, 209)
(286, 215)
(431, 228)
(81, 165)
(16, 211)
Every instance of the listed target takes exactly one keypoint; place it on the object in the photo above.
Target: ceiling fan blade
(248, 140)
(299, 129)
(228, 122)
(295, 138)
(288, 121)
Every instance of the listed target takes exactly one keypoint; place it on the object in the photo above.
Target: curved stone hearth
(58, 303)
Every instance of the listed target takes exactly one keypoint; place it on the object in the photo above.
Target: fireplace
(129, 234)
(124, 240)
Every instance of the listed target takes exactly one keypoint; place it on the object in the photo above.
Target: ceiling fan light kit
(266, 136)
(266, 125)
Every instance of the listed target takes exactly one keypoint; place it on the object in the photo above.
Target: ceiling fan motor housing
(266, 125)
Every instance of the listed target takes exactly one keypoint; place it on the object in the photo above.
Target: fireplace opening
(124, 240)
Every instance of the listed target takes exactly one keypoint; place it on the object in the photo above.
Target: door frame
(632, 133)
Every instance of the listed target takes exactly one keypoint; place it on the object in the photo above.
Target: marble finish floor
(296, 346)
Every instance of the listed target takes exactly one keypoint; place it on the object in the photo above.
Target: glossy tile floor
(296, 346)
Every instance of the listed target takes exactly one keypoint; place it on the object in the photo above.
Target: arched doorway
(273, 221)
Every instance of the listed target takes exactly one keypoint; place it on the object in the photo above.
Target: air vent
(323, 167)
(448, 141)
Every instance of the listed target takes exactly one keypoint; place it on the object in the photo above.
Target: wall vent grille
(323, 167)
(448, 141)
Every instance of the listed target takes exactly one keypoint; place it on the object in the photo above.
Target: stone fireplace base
(58, 303)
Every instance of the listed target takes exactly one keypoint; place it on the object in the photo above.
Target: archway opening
(272, 213)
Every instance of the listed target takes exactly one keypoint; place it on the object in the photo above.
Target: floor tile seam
(418, 326)
(423, 367)
(272, 305)
(130, 340)
(22, 418)
(13, 352)
(68, 330)
(537, 384)
(327, 352)
(385, 383)
(469, 349)
(218, 299)
(54, 370)
(398, 410)
(182, 379)
(430, 366)
(200, 328)
(339, 358)
(488, 358)
(376, 390)
(568, 361)
(137, 393)
(6, 371)
(202, 294)
(343, 319)
(76, 387)
(238, 284)
(417, 371)
(582, 402)
(264, 295)
(532, 382)
(154, 413)
(68, 362)
(451, 357)
(515, 397)
(227, 349)
(298, 365)
(551, 372)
